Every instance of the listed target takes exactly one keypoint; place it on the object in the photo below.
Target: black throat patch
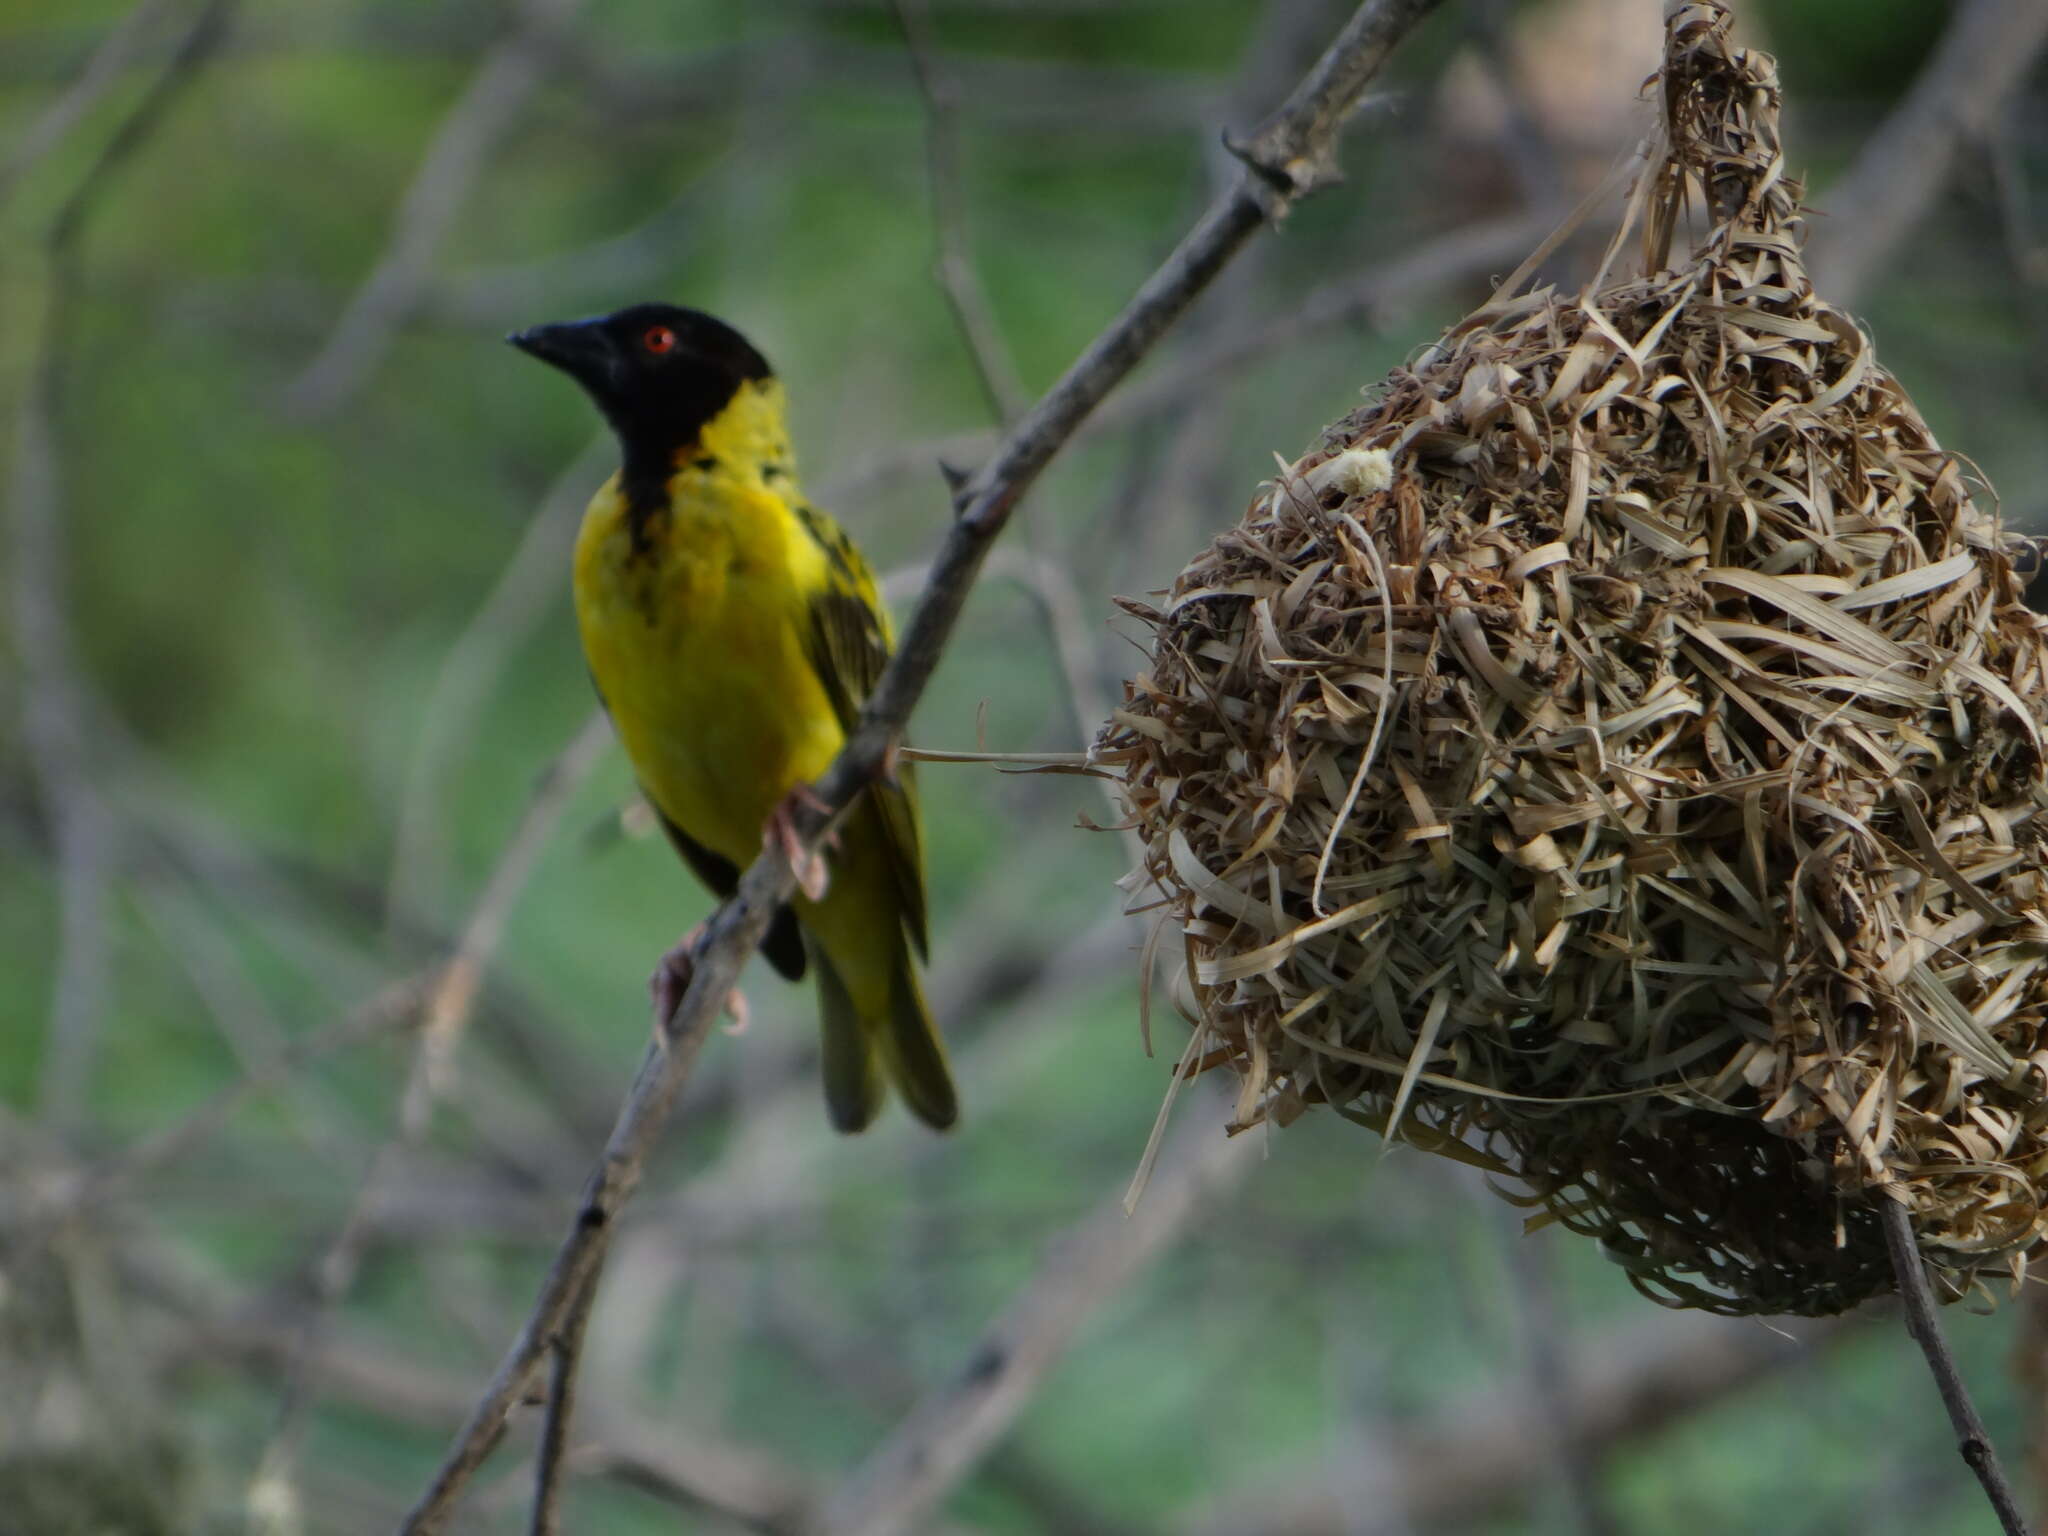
(656, 436)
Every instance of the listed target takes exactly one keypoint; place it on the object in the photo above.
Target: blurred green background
(288, 651)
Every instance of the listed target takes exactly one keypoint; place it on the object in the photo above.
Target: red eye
(659, 339)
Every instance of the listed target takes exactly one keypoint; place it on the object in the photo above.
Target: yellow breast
(696, 626)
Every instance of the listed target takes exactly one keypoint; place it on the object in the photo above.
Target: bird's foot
(812, 875)
(671, 979)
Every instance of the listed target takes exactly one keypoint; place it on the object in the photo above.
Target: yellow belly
(698, 641)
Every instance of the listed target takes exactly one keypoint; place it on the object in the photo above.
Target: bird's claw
(812, 875)
(671, 979)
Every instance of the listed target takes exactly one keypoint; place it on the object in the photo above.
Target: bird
(733, 631)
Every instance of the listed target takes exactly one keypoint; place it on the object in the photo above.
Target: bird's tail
(898, 1041)
(912, 1052)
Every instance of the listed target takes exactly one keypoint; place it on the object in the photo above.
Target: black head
(658, 372)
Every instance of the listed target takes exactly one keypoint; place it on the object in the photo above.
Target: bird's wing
(849, 644)
(782, 943)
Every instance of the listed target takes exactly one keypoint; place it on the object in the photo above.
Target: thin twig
(83, 825)
(454, 999)
(840, 1350)
(462, 145)
(1051, 588)
(1480, 1456)
(1973, 1441)
(1546, 1341)
(205, 950)
(527, 590)
(2024, 250)
(102, 71)
(945, 1435)
(743, 1483)
(778, 1152)
(1525, 139)
(1982, 59)
(1290, 157)
(1373, 300)
(393, 1008)
(561, 1411)
(446, 1013)
(501, 295)
(952, 257)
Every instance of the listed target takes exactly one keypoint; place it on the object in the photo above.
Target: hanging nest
(1614, 755)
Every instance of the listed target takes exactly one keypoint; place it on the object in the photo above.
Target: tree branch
(952, 258)
(548, 1475)
(393, 1008)
(526, 592)
(742, 1483)
(1298, 139)
(1459, 255)
(1973, 1441)
(1487, 1451)
(468, 133)
(445, 1014)
(945, 1435)
(119, 49)
(83, 826)
(1983, 57)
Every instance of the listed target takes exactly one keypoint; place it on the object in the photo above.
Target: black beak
(580, 348)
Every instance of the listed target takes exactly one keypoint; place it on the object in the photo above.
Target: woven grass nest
(1614, 755)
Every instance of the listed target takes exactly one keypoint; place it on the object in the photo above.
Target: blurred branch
(1483, 1455)
(775, 1155)
(1973, 1440)
(102, 70)
(83, 827)
(1058, 600)
(447, 1009)
(1373, 299)
(741, 1482)
(2030, 1374)
(1983, 58)
(947, 1433)
(1548, 1365)
(953, 261)
(468, 134)
(866, 1373)
(392, 1009)
(1071, 98)
(763, 1187)
(1525, 139)
(392, 28)
(495, 296)
(526, 592)
(454, 996)
(206, 953)
(1289, 158)
(1357, 1461)
(2026, 251)
(1051, 589)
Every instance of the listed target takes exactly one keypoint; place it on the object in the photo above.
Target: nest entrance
(1617, 748)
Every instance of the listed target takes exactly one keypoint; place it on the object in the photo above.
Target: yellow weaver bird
(733, 632)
